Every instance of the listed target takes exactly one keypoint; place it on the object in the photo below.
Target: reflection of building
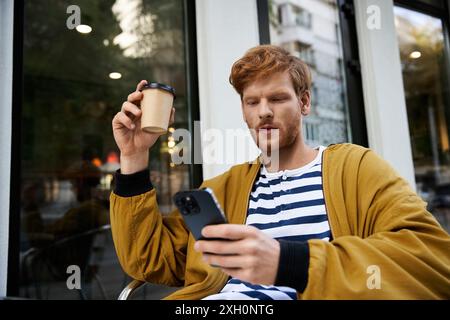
(310, 30)
(421, 44)
(149, 32)
(133, 23)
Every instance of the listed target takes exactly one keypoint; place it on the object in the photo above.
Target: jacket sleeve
(150, 246)
(397, 249)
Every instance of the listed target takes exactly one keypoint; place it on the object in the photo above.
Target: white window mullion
(6, 67)
(384, 99)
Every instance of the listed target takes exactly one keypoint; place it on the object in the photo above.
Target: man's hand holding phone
(242, 251)
(249, 254)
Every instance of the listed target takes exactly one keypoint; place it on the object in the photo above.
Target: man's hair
(264, 61)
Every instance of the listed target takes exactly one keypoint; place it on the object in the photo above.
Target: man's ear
(305, 102)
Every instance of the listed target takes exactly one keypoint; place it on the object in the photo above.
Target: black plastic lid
(157, 85)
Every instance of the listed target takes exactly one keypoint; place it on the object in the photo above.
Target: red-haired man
(319, 223)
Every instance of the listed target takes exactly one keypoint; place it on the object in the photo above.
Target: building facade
(380, 73)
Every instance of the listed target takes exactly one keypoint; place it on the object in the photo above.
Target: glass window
(313, 36)
(75, 81)
(301, 17)
(425, 77)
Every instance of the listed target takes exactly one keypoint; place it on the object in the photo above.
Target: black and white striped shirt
(287, 205)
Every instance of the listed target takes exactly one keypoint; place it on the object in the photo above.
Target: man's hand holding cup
(145, 116)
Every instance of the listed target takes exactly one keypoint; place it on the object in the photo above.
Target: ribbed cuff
(129, 185)
(293, 265)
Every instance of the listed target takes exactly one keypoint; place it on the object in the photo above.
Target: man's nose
(265, 110)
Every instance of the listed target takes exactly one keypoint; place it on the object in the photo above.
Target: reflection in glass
(310, 30)
(74, 84)
(425, 78)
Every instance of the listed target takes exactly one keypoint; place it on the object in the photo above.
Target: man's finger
(122, 120)
(218, 246)
(129, 107)
(135, 96)
(222, 261)
(229, 231)
(140, 85)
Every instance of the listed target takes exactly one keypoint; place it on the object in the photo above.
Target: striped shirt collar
(294, 172)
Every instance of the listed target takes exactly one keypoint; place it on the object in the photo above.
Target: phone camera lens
(188, 205)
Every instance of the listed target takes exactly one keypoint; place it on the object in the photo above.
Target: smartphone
(199, 208)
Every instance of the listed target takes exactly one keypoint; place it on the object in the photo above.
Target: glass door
(423, 41)
(75, 81)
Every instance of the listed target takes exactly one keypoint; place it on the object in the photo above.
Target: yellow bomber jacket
(376, 219)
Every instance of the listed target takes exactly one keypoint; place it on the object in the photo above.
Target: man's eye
(278, 99)
(251, 103)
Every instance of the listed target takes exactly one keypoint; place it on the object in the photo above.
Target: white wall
(385, 108)
(6, 44)
(225, 30)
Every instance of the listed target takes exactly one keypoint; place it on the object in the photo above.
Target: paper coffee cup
(156, 106)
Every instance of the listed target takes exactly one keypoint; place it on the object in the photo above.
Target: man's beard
(271, 145)
(275, 141)
(270, 142)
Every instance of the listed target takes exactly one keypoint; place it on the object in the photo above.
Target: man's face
(273, 111)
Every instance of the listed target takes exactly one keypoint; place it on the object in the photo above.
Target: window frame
(352, 70)
(444, 16)
(13, 276)
(351, 65)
